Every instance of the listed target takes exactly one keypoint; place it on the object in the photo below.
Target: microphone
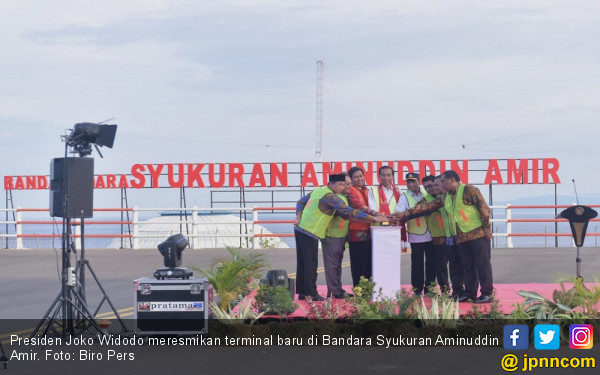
(576, 196)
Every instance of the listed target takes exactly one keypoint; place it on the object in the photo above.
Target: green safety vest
(438, 221)
(419, 224)
(313, 220)
(338, 227)
(465, 216)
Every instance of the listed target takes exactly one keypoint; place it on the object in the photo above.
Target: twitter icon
(546, 336)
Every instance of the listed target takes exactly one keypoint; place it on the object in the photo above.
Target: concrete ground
(30, 278)
(29, 282)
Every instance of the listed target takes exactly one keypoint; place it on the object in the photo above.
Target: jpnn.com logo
(516, 336)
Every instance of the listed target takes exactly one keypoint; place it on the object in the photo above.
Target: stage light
(86, 134)
(171, 250)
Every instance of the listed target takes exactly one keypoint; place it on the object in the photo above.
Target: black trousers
(457, 273)
(361, 260)
(441, 258)
(475, 256)
(307, 262)
(423, 265)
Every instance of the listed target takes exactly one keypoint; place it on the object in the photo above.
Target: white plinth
(386, 259)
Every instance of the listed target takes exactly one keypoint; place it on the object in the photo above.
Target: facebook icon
(516, 336)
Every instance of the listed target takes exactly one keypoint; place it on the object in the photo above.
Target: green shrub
(244, 314)
(443, 311)
(231, 277)
(276, 300)
(367, 306)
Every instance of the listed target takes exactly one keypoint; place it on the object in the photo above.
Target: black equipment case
(172, 306)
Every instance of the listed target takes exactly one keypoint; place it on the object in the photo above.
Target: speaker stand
(68, 314)
(3, 357)
(82, 264)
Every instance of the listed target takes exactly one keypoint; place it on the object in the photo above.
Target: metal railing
(28, 233)
(188, 222)
(509, 233)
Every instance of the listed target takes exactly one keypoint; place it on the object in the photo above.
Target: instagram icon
(581, 336)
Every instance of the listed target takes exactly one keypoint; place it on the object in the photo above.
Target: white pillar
(76, 233)
(19, 229)
(136, 217)
(254, 220)
(194, 241)
(509, 241)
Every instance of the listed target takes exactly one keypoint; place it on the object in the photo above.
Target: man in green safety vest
(451, 259)
(437, 223)
(423, 264)
(314, 214)
(469, 217)
(334, 245)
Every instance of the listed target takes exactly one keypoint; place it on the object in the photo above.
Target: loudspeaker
(72, 187)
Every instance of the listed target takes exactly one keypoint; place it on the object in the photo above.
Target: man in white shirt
(422, 257)
(384, 198)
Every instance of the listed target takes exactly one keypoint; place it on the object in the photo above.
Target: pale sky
(235, 81)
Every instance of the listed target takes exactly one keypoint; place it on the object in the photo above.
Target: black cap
(337, 177)
(412, 176)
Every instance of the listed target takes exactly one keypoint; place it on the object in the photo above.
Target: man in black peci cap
(314, 213)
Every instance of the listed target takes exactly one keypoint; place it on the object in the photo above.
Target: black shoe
(342, 295)
(316, 298)
(483, 299)
(464, 298)
(301, 297)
